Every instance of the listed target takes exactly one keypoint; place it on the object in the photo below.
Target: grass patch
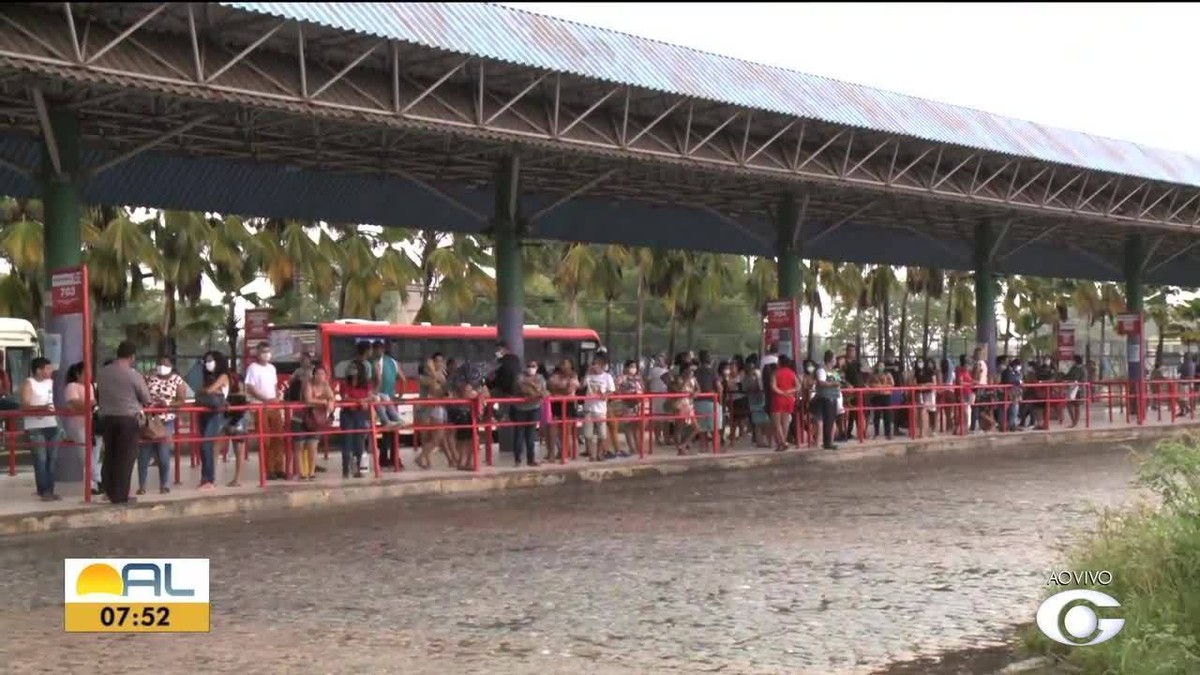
(1153, 553)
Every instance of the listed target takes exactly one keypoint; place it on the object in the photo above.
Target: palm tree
(234, 255)
(931, 282)
(182, 239)
(960, 304)
(762, 282)
(701, 287)
(643, 262)
(21, 246)
(574, 275)
(879, 284)
(1112, 302)
(610, 263)
(1158, 310)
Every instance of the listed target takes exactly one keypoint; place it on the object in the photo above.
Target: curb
(306, 497)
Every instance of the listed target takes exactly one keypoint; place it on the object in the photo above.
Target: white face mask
(210, 366)
(809, 369)
(531, 371)
(265, 357)
(499, 354)
(164, 370)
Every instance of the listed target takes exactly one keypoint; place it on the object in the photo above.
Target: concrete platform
(21, 511)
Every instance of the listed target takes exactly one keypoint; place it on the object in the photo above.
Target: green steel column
(787, 258)
(60, 195)
(62, 244)
(1135, 254)
(508, 228)
(985, 290)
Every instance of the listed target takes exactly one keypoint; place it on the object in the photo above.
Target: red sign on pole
(257, 329)
(1129, 324)
(780, 327)
(1066, 344)
(67, 292)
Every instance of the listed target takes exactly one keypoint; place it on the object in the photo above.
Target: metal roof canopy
(205, 107)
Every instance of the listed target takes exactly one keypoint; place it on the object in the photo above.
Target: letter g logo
(1080, 622)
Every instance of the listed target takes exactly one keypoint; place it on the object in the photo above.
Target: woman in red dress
(784, 386)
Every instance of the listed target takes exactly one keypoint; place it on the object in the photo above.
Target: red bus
(333, 345)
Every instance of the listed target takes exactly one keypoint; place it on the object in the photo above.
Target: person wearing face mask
(167, 390)
(213, 395)
(261, 384)
(532, 388)
(625, 410)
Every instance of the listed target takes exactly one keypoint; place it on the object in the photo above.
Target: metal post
(510, 289)
(63, 249)
(985, 291)
(787, 257)
(1135, 255)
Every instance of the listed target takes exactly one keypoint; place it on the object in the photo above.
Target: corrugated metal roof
(520, 37)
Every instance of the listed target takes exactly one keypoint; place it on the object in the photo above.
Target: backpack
(295, 390)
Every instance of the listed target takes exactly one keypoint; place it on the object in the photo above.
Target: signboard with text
(67, 294)
(780, 327)
(257, 329)
(1129, 323)
(1066, 344)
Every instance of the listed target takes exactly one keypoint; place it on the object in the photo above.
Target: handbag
(313, 420)
(153, 429)
(211, 401)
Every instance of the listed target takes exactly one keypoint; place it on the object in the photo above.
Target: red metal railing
(947, 409)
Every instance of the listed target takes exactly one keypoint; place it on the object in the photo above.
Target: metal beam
(851, 216)
(104, 166)
(1040, 236)
(573, 194)
(126, 33)
(23, 171)
(342, 73)
(43, 114)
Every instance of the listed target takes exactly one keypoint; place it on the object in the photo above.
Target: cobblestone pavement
(798, 570)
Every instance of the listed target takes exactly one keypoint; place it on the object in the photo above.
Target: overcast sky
(1117, 70)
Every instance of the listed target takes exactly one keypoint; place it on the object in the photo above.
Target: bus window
(410, 354)
(587, 350)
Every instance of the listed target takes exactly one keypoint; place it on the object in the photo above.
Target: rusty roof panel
(519, 37)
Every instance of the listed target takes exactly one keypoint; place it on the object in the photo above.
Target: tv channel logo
(1080, 623)
(139, 595)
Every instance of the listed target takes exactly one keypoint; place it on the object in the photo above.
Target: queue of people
(773, 401)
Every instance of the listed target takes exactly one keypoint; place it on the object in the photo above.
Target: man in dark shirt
(503, 384)
(854, 379)
(121, 393)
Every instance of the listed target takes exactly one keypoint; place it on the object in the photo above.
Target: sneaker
(46, 497)
(345, 474)
(358, 474)
(831, 446)
(164, 490)
(141, 491)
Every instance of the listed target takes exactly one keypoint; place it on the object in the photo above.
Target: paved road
(836, 570)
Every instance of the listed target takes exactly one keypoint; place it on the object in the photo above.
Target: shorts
(301, 435)
(928, 401)
(460, 418)
(594, 426)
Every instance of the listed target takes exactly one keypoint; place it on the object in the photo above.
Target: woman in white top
(75, 424)
(41, 426)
